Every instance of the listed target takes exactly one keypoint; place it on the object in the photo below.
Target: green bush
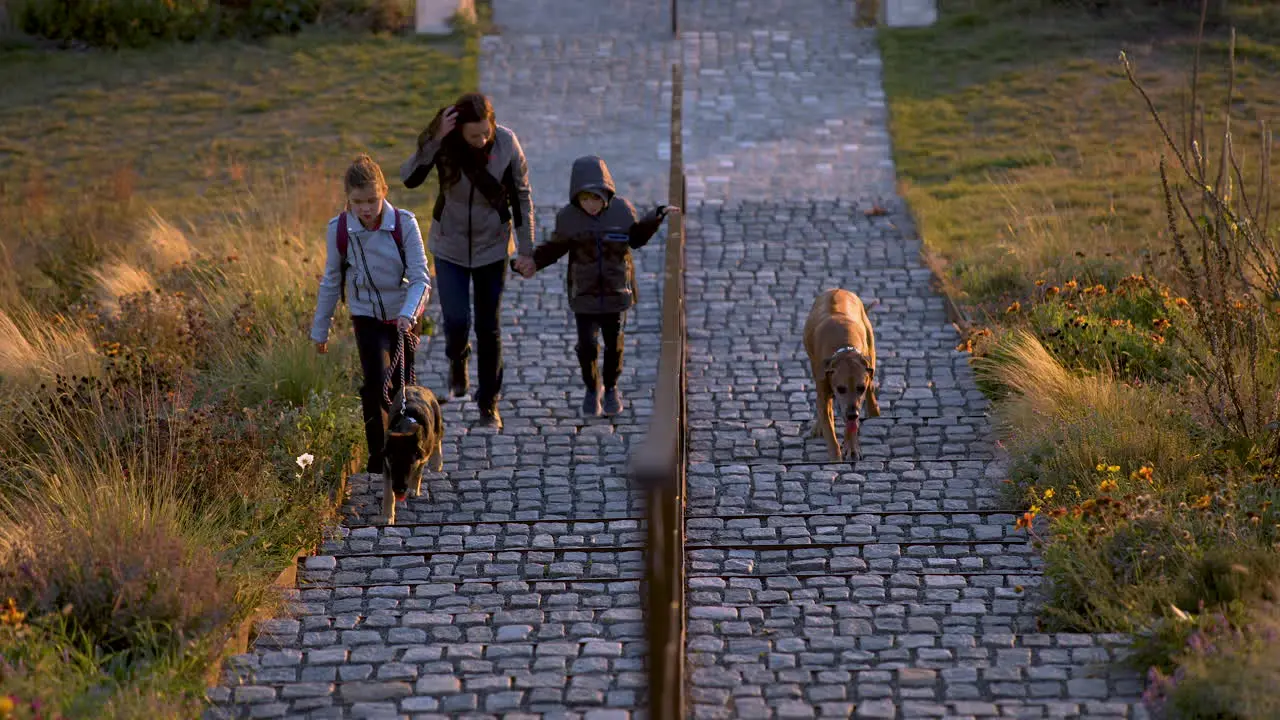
(136, 23)
(116, 23)
(1128, 330)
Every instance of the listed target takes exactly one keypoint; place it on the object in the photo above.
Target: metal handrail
(661, 465)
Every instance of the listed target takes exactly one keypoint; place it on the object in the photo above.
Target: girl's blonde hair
(363, 173)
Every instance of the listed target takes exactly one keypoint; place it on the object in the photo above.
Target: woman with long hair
(483, 212)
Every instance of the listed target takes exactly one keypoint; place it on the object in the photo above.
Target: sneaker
(612, 402)
(458, 383)
(490, 418)
(591, 403)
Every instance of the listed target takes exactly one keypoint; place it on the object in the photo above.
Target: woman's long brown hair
(455, 152)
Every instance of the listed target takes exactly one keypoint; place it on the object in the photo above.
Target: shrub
(136, 23)
(115, 23)
(129, 576)
(1224, 670)
(97, 519)
(1060, 426)
(371, 15)
(1228, 256)
(1124, 330)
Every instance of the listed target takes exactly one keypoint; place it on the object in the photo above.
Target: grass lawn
(202, 124)
(1026, 152)
(1138, 396)
(168, 435)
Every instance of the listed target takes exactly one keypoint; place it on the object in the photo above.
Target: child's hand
(322, 348)
(673, 210)
(525, 266)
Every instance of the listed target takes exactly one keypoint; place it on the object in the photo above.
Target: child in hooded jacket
(385, 285)
(598, 229)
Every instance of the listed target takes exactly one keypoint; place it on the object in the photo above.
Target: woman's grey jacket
(466, 229)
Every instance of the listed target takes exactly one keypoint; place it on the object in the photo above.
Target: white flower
(305, 459)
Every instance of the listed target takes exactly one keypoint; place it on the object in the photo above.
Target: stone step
(902, 594)
(722, 696)
(1007, 556)
(853, 527)
(573, 603)
(700, 530)
(569, 485)
(396, 678)
(501, 535)
(451, 565)
(735, 488)
(887, 436)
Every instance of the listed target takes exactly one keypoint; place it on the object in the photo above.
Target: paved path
(895, 588)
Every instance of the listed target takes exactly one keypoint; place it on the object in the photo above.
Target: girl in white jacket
(376, 262)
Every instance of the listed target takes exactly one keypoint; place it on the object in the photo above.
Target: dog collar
(845, 351)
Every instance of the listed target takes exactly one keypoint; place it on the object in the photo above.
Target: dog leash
(403, 339)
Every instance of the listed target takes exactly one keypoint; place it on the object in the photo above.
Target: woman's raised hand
(448, 121)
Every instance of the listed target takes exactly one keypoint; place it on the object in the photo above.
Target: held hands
(525, 266)
(670, 210)
(322, 348)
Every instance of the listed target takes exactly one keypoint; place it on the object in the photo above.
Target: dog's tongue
(851, 427)
(400, 496)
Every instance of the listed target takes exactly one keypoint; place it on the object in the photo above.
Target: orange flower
(1146, 472)
(1201, 503)
(11, 615)
(1071, 285)
(1039, 283)
(1051, 291)
(1013, 308)
(1181, 302)
(1157, 339)
(1024, 522)
(1107, 485)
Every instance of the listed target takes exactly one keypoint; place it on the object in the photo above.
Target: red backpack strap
(398, 235)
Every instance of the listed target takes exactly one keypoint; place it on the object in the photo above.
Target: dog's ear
(871, 372)
(826, 365)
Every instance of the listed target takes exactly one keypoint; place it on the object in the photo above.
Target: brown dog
(415, 438)
(842, 352)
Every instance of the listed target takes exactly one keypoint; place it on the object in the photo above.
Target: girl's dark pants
(610, 327)
(376, 343)
(454, 283)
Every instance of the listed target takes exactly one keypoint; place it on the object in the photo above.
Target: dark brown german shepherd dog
(415, 438)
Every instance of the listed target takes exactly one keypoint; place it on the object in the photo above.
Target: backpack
(344, 239)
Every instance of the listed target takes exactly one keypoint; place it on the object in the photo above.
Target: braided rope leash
(409, 339)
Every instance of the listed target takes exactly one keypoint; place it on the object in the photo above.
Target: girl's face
(366, 204)
(477, 134)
